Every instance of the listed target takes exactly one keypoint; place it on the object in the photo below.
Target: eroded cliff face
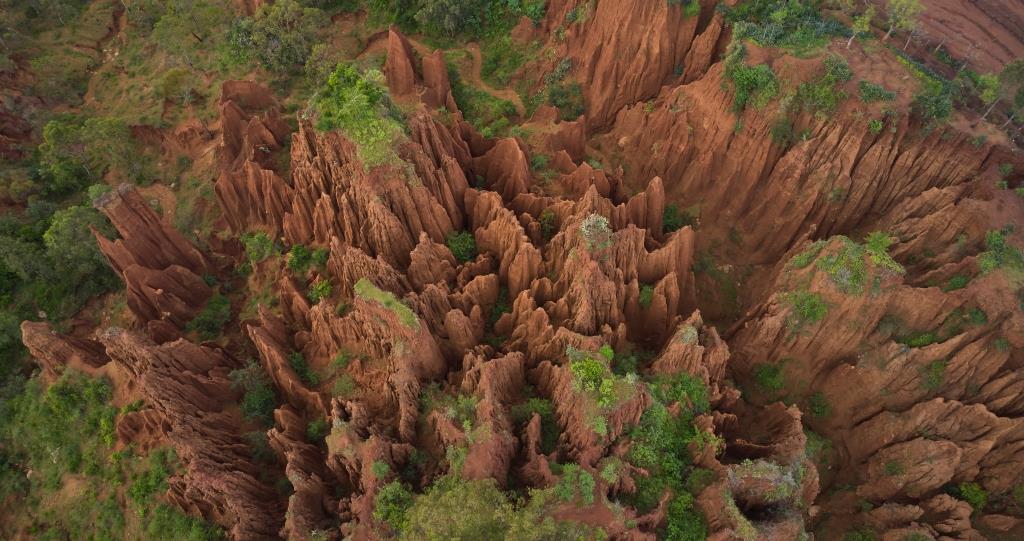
(829, 406)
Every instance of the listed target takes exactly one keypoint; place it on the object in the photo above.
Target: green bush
(683, 522)
(792, 24)
(646, 295)
(392, 505)
(209, 323)
(502, 57)
(806, 307)
(258, 246)
(319, 290)
(317, 430)
(875, 126)
(301, 258)
(279, 36)
(769, 378)
(462, 245)
(358, 105)
(258, 401)
(302, 369)
(488, 114)
(999, 254)
(574, 483)
(674, 219)
(366, 290)
(973, 494)
(870, 92)
(752, 85)
(934, 376)
(823, 94)
(818, 406)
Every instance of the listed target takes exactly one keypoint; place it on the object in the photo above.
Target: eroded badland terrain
(503, 269)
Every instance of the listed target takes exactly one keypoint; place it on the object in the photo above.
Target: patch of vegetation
(258, 246)
(300, 258)
(807, 308)
(502, 57)
(302, 369)
(258, 401)
(933, 101)
(575, 483)
(454, 508)
(596, 232)
(846, 266)
(999, 254)
(933, 376)
(488, 114)
(806, 257)
(755, 85)
(279, 36)
(365, 289)
(871, 92)
(973, 494)
(824, 94)
(797, 25)
(209, 323)
(358, 105)
(392, 505)
(646, 295)
(548, 224)
(769, 378)
(675, 219)
(818, 406)
(320, 290)
(317, 430)
(463, 246)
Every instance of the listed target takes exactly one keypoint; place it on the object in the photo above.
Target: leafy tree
(451, 17)
(862, 24)
(279, 36)
(187, 26)
(258, 402)
(77, 149)
(358, 105)
(70, 245)
(462, 245)
(903, 15)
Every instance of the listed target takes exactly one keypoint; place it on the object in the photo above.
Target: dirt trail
(378, 43)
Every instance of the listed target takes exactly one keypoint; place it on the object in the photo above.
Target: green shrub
(818, 406)
(258, 402)
(320, 290)
(549, 429)
(392, 505)
(973, 494)
(806, 257)
(870, 92)
(317, 430)
(797, 25)
(302, 369)
(806, 307)
(646, 295)
(769, 378)
(502, 57)
(593, 377)
(755, 85)
(366, 290)
(301, 258)
(548, 224)
(568, 98)
(934, 376)
(209, 323)
(344, 386)
(358, 105)
(258, 246)
(823, 93)
(462, 245)
(660, 445)
(596, 232)
(279, 36)
(893, 467)
(675, 219)
(999, 253)
(688, 390)
(488, 114)
(920, 340)
(380, 469)
(153, 480)
(574, 483)
(875, 126)
(683, 522)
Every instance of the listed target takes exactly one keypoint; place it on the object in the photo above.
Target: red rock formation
(187, 385)
(55, 351)
(161, 269)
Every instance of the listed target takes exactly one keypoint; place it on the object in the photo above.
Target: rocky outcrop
(54, 352)
(161, 269)
(188, 387)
